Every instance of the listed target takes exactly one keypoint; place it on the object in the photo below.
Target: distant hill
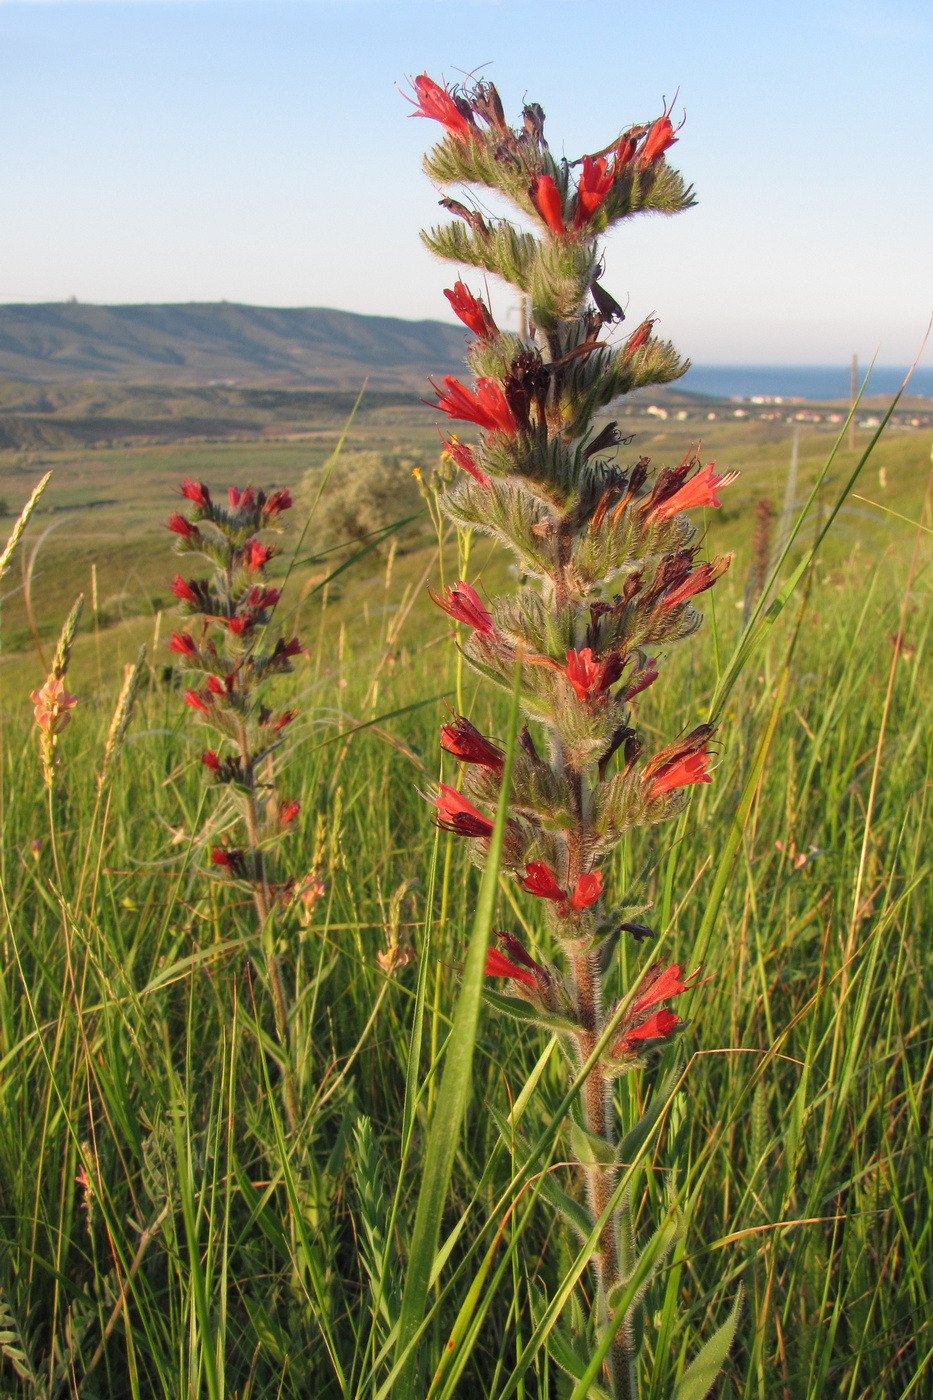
(200, 343)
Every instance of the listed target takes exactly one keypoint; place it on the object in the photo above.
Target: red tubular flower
(660, 983)
(625, 150)
(198, 701)
(594, 184)
(498, 965)
(657, 1027)
(462, 739)
(539, 880)
(279, 500)
(256, 555)
(517, 952)
(642, 679)
(680, 772)
(183, 643)
(287, 649)
(197, 492)
(180, 526)
(284, 718)
(263, 597)
(590, 677)
(455, 813)
(243, 622)
(221, 857)
(702, 489)
(463, 456)
(436, 102)
(545, 196)
(697, 581)
(211, 761)
(471, 310)
(183, 590)
(288, 811)
(216, 686)
(660, 137)
(588, 889)
(463, 604)
(487, 405)
(231, 860)
(639, 337)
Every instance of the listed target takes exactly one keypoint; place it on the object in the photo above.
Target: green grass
(211, 1254)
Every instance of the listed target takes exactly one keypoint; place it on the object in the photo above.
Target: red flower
(198, 701)
(657, 1027)
(517, 953)
(625, 150)
(697, 581)
(279, 500)
(211, 761)
(183, 643)
(287, 649)
(487, 405)
(243, 622)
(455, 813)
(256, 555)
(590, 677)
(263, 597)
(288, 811)
(284, 718)
(498, 965)
(702, 489)
(436, 102)
(229, 860)
(641, 680)
(594, 184)
(589, 888)
(180, 526)
(463, 456)
(216, 686)
(680, 764)
(197, 492)
(660, 137)
(639, 337)
(183, 590)
(464, 604)
(539, 880)
(464, 741)
(660, 983)
(472, 311)
(545, 196)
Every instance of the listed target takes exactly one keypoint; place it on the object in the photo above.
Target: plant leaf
(697, 1380)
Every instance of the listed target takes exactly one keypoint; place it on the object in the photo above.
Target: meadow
(162, 1233)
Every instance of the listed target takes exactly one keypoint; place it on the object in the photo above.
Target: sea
(820, 382)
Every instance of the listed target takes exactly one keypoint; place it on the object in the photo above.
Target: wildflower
(462, 739)
(539, 880)
(659, 1026)
(256, 555)
(463, 604)
(588, 889)
(590, 677)
(285, 650)
(625, 150)
(697, 581)
(517, 955)
(241, 623)
(197, 492)
(639, 337)
(184, 591)
(681, 764)
(436, 102)
(545, 196)
(199, 701)
(232, 860)
(471, 310)
(263, 597)
(456, 813)
(498, 965)
(284, 718)
(179, 525)
(51, 704)
(241, 500)
(183, 643)
(279, 500)
(486, 405)
(463, 456)
(211, 761)
(702, 489)
(288, 811)
(660, 137)
(660, 983)
(595, 183)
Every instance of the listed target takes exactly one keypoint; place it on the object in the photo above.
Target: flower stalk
(611, 552)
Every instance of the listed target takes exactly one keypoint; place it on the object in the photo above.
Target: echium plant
(227, 649)
(614, 557)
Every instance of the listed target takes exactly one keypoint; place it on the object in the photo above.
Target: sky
(261, 152)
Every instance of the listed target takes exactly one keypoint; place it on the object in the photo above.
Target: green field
(205, 1251)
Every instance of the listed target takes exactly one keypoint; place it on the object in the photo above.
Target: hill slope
(223, 342)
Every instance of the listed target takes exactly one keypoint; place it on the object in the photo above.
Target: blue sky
(261, 152)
